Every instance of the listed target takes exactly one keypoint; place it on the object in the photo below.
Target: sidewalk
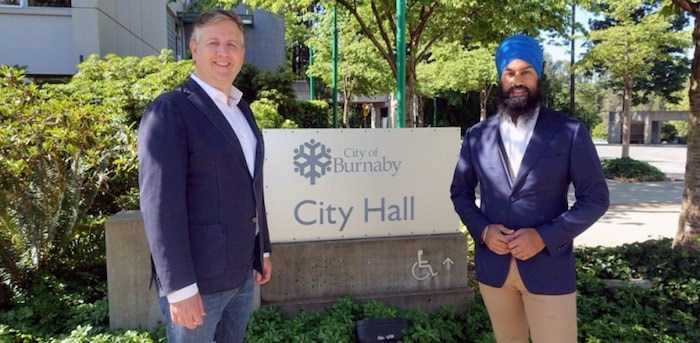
(643, 210)
(638, 212)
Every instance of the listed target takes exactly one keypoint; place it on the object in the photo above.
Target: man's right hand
(497, 240)
(189, 312)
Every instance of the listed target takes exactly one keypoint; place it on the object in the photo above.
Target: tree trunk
(409, 94)
(483, 99)
(627, 117)
(419, 107)
(347, 95)
(688, 234)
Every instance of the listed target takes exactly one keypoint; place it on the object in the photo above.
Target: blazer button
(254, 219)
(512, 199)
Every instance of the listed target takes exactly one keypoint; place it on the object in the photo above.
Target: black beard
(519, 107)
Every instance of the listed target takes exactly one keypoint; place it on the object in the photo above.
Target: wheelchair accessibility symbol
(422, 269)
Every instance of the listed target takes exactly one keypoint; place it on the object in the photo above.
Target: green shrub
(600, 131)
(629, 170)
(674, 130)
(668, 132)
(266, 115)
(681, 128)
(668, 312)
(308, 114)
(59, 152)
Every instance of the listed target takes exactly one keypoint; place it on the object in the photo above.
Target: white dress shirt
(517, 137)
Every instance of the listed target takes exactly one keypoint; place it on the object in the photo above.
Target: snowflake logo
(312, 160)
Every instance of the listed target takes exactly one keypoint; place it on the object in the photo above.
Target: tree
(668, 74)
(626, 51)
(454, 68)
(688, 235)
(589, 93)
(360, 68)
(428, 22)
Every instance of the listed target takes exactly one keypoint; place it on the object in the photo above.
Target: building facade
(51, 37)
(645, 126)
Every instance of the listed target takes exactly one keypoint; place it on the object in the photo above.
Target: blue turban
(519, 47)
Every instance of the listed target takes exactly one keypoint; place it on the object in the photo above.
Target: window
(36, 3)
(49, 3)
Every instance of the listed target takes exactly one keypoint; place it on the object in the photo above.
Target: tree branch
(688, 6)
(384, 51)
(382, 32)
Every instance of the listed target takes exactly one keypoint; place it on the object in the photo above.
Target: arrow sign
(447, 263)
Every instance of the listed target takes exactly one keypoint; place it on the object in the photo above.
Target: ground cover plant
(626, 169)
(72, 307)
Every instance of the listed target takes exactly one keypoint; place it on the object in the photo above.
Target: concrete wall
(265, 40)
(52, 41)
(645, 124)
(123, 27)
(132, 303)
(423, 271)
(40, 38)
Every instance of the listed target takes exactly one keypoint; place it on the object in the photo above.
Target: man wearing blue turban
(523, 159)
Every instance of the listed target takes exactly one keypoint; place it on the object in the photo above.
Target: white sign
(328, 184)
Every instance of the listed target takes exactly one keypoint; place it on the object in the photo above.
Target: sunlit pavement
(642, 210)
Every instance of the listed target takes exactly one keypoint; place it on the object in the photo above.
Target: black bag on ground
(380, 330)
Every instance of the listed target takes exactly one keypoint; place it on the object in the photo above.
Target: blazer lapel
(259, 147)
(199, 98)
(495, 158)
(545, 128)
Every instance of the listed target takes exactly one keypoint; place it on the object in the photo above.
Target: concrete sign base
(425, 272)
(408, 272)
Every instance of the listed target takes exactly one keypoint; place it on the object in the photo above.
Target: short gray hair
(213, 16)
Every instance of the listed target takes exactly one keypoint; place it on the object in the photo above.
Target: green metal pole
(335, 65)
(572, 77)
(400, 61)
(312, 90)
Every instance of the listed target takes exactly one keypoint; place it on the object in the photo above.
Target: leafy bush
(128, 84)
(267, 117)
(629, 170)
(681, 128)
(674, 130)
(668, 132)
(337, 324)
(308, 114)
(58, 153)
(600, 131)
(668, 312)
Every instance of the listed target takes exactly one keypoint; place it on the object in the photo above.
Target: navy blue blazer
(561, 152)
(200, 205)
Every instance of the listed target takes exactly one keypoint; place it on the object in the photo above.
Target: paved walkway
(643, 210)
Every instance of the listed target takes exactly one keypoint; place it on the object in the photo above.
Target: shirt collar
(235, 96)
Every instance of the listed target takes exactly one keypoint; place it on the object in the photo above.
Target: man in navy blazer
(523, 160)
(201, 185)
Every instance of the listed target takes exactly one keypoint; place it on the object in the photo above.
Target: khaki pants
(514, 311)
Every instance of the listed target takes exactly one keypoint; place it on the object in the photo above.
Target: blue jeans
(227, 315)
